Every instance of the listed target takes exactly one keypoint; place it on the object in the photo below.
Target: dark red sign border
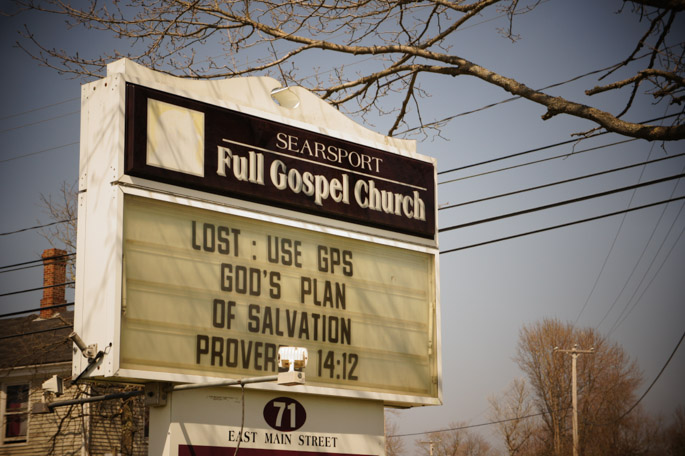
(206, 450)
(393, 173)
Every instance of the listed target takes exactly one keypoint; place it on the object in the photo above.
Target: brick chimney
(54, 273)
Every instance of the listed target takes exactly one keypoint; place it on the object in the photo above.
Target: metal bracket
(89, 351)
(92, 362)
(156, 393)
(290, 378)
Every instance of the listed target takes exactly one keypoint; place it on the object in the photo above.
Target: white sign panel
(215, 295)
(196, 423)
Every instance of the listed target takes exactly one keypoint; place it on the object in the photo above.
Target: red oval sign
(284, 414)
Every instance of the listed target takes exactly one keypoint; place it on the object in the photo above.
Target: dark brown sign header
(196, 145)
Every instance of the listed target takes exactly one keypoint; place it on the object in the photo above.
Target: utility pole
(574, 352)
(432, 445)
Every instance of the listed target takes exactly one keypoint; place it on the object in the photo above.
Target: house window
(16, 414)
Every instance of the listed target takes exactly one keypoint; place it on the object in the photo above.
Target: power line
(518, 154)
(637, 263)
(468, 426)
(561, 203)
(36, 289)
(663, 368)
(537, 149)
(561, 182)
(36, 332)
(21, 268)
(576, 222)
(566, 181)
(507, 100)
(535, 162)
(39, 108)
(39, 122)
(616, 236)
(655, 379)
(471, 426)
(39, 152)
(37, 227)
(36, 309)
(56, 257)
(621, 318)
(639, 260)
(618, 232)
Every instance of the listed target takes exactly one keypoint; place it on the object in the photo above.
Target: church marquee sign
(216, 226)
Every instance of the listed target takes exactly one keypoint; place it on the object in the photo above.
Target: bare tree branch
(403, 109)
(62, 208)
(403, 38)
(678, 80)
(674, 5)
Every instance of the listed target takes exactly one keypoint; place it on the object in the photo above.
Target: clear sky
(633, 293)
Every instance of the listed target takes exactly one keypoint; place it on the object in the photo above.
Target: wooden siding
(94, 429)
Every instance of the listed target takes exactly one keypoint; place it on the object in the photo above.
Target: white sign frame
(103, 185)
